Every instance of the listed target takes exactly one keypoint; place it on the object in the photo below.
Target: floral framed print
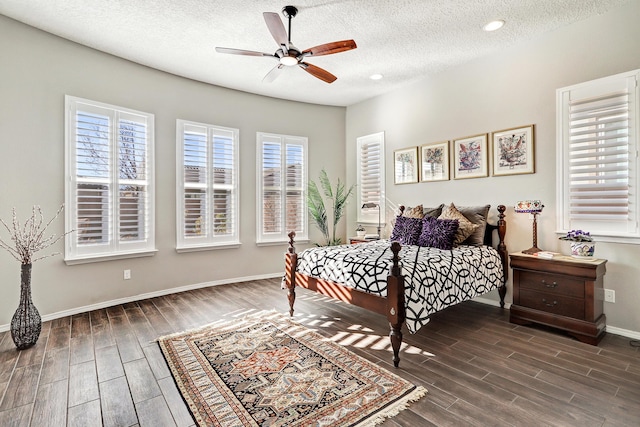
(513, 151)
(405, 163)
(434, 162)
(470, 157)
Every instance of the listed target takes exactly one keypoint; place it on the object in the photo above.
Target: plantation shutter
(208, 198)
(600, 160)
(132, 178)
(109, 195)
(282, 182)
(295, 183)
(195, 176)
(370, 179)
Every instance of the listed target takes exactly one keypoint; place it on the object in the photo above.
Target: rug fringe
(395, 408)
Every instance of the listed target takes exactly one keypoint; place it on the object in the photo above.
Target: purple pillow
(438, 233)
(407, 230)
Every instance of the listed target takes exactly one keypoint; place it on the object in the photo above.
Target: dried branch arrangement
(30, 238)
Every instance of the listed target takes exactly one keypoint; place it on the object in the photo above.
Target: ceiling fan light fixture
(289, 61)
(494, 25)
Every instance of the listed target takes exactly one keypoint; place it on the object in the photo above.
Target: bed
(372, 275)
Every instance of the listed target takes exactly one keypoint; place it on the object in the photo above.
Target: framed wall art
(513, 151)
(470, 157)
(405, 163)
(434, 162)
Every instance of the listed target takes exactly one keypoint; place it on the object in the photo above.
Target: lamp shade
(529, 206)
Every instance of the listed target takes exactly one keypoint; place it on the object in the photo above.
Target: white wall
(37, 70)
(512, 88)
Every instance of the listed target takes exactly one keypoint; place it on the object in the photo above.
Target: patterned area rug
(265, 370)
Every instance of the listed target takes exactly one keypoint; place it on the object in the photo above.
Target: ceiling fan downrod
(290, 12)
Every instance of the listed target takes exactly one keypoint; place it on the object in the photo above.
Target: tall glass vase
(26, 323)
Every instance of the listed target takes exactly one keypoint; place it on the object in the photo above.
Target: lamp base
(532, 250)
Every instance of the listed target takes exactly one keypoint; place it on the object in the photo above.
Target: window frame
(263, 238)
(370, 215)
(583, 92)
(209, 240)
(115, 247)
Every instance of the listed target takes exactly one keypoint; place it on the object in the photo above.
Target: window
(597, 149)
(370, 177)
(282, 187)
(207, 176)
(109, 187)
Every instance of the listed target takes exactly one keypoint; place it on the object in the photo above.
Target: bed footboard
(393, 306)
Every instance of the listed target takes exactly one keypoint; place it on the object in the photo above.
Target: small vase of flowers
(582, 244)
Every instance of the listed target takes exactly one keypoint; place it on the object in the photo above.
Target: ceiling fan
(287, 54)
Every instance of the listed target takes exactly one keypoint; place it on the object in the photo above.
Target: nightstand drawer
(552, 284)
(552, 303)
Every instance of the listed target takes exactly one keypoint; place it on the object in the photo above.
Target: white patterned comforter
(434, 278)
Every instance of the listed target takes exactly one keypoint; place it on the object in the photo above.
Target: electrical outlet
(127, 274)
(609, 295)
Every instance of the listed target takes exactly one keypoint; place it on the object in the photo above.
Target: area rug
(266, 370)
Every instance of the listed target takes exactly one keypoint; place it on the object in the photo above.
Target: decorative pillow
(465, 227)
(477, 215)
(415, 212)
(438, 233)
(406, 231)
(434, 212)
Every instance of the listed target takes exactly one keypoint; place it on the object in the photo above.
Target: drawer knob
(544, 300)
(549, 285)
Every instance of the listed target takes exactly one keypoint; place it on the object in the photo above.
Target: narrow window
(282, 187)
(207, 172)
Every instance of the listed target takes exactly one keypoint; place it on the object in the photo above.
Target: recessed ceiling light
(494, 25)
(375, 76)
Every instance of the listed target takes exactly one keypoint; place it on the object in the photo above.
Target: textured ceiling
(404, 40)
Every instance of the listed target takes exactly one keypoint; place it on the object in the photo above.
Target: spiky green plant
(318, 210)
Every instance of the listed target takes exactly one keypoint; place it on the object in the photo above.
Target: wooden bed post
(290, 266)
(395, 303)
(502, 250)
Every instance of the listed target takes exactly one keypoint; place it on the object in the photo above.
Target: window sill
(281, 242)
(185, 249)
(108, 257)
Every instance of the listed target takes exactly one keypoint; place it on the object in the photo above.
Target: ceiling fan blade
(329, 48)
(242, 52)
(273, 74)
(318, 72)
(276, 27)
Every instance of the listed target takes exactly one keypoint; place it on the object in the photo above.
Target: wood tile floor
(104, 368)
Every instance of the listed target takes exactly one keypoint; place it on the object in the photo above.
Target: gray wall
(512, 88)
(37, 70)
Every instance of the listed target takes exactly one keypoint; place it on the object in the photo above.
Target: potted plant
(318, 211)
(582, 244)
(26, 240)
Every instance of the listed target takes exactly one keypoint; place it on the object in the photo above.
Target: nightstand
(562, 292)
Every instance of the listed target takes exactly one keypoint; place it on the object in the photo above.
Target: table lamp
(533, 207)
(373, 205)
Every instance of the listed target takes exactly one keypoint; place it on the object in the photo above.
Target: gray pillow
(433, 212)
(477, 215)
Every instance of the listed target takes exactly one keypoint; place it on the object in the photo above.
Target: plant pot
(583, 250)
(26, 323)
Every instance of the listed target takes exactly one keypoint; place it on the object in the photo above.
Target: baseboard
(148, 295)
(491, 302)
(624, 332)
